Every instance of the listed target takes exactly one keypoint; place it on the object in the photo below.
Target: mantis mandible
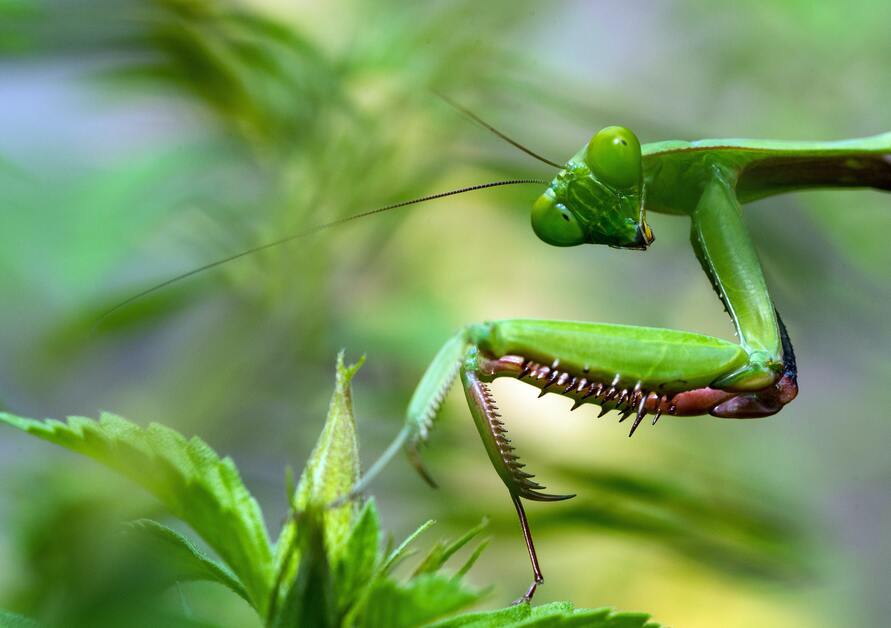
(601, 195)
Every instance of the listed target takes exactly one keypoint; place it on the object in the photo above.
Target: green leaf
(386, 602)
(509, 616)
(11, 620)
(444, 550)
(556, 614)
(187, 476)
(360, 559)
(413, 603)
(333, 467)
(564, 614)
(186, 560)
(471, 561)
(365, 567)
(310, 598)
(402, 552)
(331, 471)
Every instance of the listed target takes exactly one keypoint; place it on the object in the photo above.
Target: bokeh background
(140, 138)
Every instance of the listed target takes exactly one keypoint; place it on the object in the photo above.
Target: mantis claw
(414, 457)
(537, 496)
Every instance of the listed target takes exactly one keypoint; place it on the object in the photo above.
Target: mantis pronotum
(601, 196)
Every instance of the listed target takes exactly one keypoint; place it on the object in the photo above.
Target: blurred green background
(140, 138)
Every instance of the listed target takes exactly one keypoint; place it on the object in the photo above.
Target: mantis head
(597, 197)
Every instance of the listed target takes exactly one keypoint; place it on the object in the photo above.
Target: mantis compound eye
(613, 155)
(555, 224)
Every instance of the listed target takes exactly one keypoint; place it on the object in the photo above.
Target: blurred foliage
(142, 138)
(731, 532)
(11, 620)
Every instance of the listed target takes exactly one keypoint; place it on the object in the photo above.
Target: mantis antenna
(309, 232)
(489, 127)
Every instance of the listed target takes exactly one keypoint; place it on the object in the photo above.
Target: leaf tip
(346, 373)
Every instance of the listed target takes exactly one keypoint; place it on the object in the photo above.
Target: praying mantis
(601, 195)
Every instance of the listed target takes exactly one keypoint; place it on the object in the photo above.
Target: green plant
(329, 566)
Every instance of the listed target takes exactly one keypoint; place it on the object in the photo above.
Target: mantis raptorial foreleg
(637, 371)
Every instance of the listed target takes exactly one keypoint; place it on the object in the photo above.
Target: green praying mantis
(601, 195)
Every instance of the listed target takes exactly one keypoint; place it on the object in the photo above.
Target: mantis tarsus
(601, 196)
